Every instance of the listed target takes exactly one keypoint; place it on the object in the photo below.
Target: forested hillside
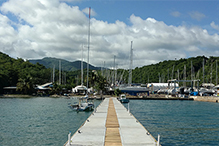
(17, 72)
(165, 70)
(26, 75)
(14, 71)
(159, 72)
(49, 62)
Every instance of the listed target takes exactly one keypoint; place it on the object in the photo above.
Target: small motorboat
(123, 99)
(82, 105)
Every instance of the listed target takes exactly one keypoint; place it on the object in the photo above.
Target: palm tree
(100, 82)
(25, 85)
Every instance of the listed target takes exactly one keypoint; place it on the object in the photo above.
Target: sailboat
(132, 89)
(83, 104)
(81, 89)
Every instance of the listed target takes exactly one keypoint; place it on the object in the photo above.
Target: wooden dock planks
(112, 125)
(112, 136)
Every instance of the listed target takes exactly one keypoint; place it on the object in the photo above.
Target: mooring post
(128, 108)
(69, 138)
(158, 140)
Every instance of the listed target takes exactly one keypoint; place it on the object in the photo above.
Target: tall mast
(114, 82)
(88, 47)
(216, 72)
(130, 67)
(184, 75)
(60, 72)
(172, 72)
(211, 72)
(203, 70)
(82, 65)
(53, 75)
(191, 71)
(178, 74)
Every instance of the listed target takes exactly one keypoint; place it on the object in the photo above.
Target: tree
(25, 85)
(57, 89)
(99, 82)
(117, 92)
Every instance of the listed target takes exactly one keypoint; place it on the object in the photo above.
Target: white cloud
(213, 25)
(48, 28)
(7, 36)
(175, 14)
(197, 15)
(92, 12)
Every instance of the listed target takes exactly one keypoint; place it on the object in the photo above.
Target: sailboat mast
(82, 65)
(53, 74)
(211, 73)
(114, 81)
(203, 70)
(59, 72)
(130, 67)
(216, 72)
(184, 75)
(191, 71)
(88, 47)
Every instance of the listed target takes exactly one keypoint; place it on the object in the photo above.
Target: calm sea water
(47, 121)
(38, 121)
(180, 123)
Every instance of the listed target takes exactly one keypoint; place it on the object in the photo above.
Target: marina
(46, 99)
(112, 124)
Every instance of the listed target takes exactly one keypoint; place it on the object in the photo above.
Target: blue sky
(111, 11)
(160, 30)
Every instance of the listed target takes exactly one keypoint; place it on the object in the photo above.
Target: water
(180, 123)
(47, 121)
(38, 121)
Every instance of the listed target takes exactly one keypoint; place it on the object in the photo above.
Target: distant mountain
(49, 62)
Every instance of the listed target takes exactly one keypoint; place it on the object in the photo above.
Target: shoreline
(151, 97)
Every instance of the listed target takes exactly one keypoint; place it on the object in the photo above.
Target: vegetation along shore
(24, 76)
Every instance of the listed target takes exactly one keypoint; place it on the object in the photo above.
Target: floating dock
(111, 124)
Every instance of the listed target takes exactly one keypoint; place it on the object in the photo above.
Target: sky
(159, 29)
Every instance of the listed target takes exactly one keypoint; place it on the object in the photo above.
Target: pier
(111, 124)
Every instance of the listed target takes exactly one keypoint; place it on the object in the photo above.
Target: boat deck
(111, 124)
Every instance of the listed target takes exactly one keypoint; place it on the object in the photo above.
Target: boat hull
(124, 100)
(133, 90)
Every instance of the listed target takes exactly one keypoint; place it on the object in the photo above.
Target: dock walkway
(111, 124)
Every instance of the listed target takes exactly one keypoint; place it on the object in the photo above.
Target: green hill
(194, 69)
(13, 71)
(49, 62)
